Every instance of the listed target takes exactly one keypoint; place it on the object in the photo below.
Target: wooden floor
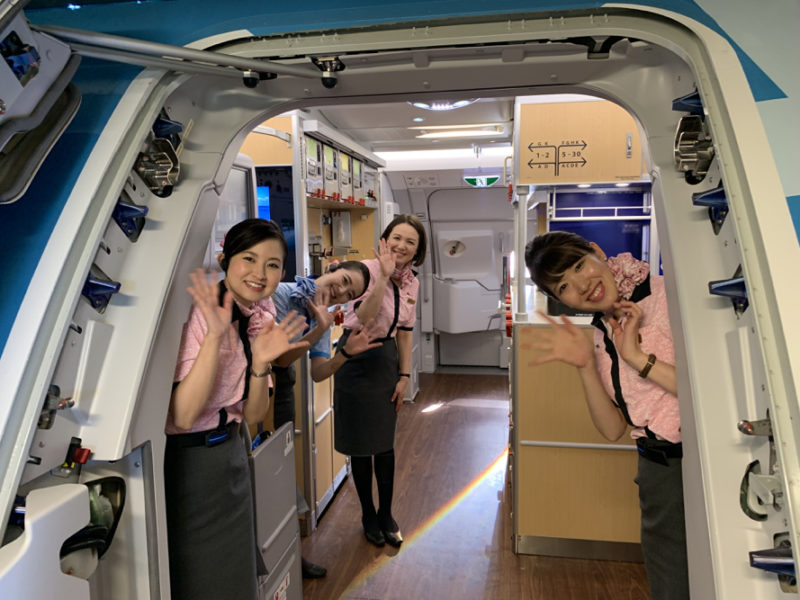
(452, 502)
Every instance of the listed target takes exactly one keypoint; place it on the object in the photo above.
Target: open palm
(205, 293)
(274, 338)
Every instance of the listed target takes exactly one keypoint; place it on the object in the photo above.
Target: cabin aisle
(452, 503)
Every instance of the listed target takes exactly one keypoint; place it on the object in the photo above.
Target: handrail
(116, 42)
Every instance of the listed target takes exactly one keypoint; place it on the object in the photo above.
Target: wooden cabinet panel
(323, 460)
(268, 149)
(576, 142)
(551, 404)
(323, 400)
(565, 488)
(576, 493)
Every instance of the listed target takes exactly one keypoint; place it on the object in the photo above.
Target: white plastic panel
(29, 566)
(461, 306)
(467, 254)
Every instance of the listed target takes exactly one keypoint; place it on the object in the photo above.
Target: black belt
(376, 340)
(658, 450)
(209, 438)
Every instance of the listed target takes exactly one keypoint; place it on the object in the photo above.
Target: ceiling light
(584, 185)
(418, 119)
(622, 184)
(459, 133)
(443, 104)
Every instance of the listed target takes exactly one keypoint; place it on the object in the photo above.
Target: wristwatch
(263, 373)
(651, 360)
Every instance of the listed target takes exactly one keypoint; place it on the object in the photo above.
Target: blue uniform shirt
(284, 302)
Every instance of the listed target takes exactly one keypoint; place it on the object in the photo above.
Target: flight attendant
(221, 379)
(369, 387)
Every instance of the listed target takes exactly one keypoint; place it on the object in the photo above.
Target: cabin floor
(452, 501)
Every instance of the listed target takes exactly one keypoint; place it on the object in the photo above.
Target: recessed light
(460, 133)
(418, 119)
(584, 185)
(443, 104)
(622, 184)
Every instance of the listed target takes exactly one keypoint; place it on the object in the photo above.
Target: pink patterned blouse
(648, 403)
(407, 313)
(232, 369)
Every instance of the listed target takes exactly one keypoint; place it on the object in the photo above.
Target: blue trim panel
(26, 225)
(794, 211)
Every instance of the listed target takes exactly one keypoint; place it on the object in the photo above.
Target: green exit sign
(481, 182)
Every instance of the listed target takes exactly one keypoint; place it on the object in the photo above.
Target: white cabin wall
(461, 323)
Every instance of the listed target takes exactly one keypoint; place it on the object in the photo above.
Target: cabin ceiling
(392, 126)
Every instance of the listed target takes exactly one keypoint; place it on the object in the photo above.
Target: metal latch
(693, 149)
(53, 402)
(758, 490)
(159, 167)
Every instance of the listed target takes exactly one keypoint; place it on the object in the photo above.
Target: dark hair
(353, 265)
(246, 234)
(412, 220)
(548, 256)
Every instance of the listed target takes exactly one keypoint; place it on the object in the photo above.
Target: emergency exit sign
(482, 181)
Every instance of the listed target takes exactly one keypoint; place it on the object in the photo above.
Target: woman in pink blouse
(369, 387)
(628, 377)
(222, 377)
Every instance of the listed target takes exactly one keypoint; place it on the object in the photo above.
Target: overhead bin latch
(693, 148)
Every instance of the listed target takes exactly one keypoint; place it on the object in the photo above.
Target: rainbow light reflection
(428, 524)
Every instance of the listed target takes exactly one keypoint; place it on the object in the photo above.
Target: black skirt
(364, 416)
(210, 521)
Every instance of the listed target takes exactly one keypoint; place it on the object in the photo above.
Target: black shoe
(372, 531)
(312, 571)
(391, 531)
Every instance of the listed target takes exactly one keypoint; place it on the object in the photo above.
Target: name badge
(412, 301)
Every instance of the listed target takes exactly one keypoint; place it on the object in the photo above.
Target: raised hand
(205, 293)
(625, 329)
(359, 341)
(564, 341)
(319, 311)
(274, 339)
(322, 296)
(384, 255)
